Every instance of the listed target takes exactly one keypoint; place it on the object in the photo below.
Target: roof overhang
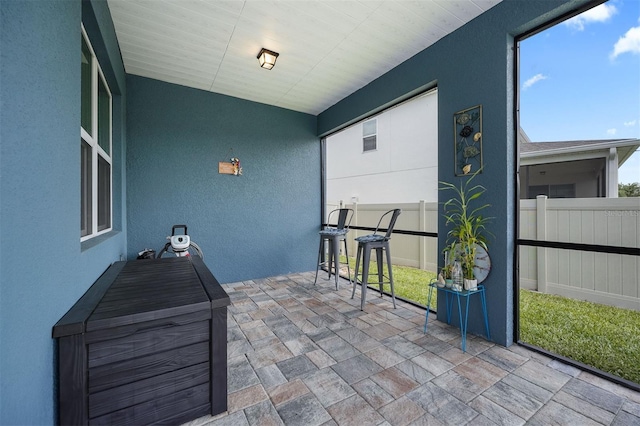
(590, 149)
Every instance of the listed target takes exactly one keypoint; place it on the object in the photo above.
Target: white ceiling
(328, 48)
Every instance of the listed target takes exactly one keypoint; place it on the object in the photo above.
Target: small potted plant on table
(468, 230)
(445, 278)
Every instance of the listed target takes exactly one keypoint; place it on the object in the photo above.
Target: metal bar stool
(379, 242)
(333, 235)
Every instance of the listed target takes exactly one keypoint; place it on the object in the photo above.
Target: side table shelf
(450, 295)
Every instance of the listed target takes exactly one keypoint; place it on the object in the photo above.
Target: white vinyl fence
(598, 277)
(406, 250)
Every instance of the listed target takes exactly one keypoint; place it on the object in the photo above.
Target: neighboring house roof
(537, 150)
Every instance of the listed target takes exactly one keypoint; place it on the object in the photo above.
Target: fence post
(354, 222)
(541, 235)
(422, 218)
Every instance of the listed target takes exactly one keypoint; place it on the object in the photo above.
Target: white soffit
(328, 48)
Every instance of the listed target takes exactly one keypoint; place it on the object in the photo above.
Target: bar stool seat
(379, 243)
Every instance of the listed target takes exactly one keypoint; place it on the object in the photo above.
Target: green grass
(409, 283)
(604, 337)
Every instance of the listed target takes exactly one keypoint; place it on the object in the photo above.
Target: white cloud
(533, 80)
(601, 13)
(630, 42)
(630, 123)
(611, 131)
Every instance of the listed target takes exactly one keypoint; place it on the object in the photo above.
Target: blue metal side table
(450, 295)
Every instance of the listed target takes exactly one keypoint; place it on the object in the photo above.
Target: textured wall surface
(263, 223)
(44, 269)
(260, 224)
(473, 65)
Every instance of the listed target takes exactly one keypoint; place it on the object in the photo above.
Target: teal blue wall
(43, 267)
(263, 223)
(474, 65)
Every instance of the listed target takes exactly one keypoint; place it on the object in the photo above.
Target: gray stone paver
(625, 419)
(495, 413)
(395, 382)
(458, 386)
(554, 413)
(415, 372)
(372, 393)
(514, 400)
(632, 408)
(240, 375)
(305, 354)
(594, 395)
(528, 388)
(543, 376)
(328, 386)
(354, 369)
(402, 411)
(581, 406)
(354, 411)
(403, 347)
(502, 358)
(303, 411)
(263, 414)
(442, 405)
(270, 376)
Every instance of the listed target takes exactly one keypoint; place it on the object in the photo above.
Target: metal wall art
(467, 133)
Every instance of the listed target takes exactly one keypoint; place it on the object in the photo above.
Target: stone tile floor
(300, 354)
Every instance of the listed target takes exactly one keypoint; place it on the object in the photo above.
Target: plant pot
(448, 282)
(470, 284)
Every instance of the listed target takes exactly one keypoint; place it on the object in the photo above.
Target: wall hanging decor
(467, 136)
(232, 168)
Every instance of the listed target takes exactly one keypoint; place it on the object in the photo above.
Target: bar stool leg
(366, 261)
(393, 294)
(330, 260)
(335, 245)
(319, 258)
(380, 264)
(355, 281)
(346, 254)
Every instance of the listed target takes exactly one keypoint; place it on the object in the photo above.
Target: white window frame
(366, 136)
(96, 149)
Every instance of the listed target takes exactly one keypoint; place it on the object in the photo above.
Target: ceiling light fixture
(267, 58)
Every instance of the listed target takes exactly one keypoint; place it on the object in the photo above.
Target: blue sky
(581, 79)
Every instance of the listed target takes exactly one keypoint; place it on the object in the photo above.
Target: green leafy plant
(446, 271)
(629, 189)
(449, 253)
(468, 225)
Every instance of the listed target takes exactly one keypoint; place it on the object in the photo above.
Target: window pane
(85, 189)
(369, 128)
(562, 191)
(536, 190)
(104, 194)
(369, 143)
(86, 88)
(104, 117)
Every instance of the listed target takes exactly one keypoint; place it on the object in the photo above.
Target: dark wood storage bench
(147, 343)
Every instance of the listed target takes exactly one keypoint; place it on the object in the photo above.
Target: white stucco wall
(403, 168)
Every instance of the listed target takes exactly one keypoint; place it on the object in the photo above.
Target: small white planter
(470, 284)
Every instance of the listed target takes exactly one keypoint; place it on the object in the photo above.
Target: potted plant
(445, 277)
(468, 225)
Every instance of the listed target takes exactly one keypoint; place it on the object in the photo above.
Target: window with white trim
(370, 135)
(95, 147)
